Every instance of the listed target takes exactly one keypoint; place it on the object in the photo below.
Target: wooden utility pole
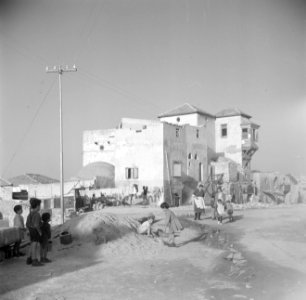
(60, 70)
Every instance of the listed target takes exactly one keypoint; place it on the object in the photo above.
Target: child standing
(33, 224)
(198, 202)
(45, 236)
(230, 210)
(19, 223)
(220, 211)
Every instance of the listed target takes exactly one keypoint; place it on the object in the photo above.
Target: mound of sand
(117, 234)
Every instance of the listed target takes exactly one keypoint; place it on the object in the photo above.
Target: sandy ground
(259, 256)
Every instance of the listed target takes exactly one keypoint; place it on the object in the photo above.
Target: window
(47, 203)
(255, 134)
(177, 169)
(196, 156)
(57, 203)
(178, 119)
(177, 132)
(201, 172)
(131, 173)
(189, 156)
(224, 130)
(197, 133)
(245, 133)
(101, 147)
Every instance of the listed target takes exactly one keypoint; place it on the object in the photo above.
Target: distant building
(236, 137)
(174, 152)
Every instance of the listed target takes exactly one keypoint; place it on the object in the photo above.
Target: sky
(139, 58)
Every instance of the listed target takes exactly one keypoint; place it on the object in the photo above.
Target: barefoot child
(45, 237)
(146, 227)
(220, 211)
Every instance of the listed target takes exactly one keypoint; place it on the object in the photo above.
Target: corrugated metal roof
(185, 109)
(32, 179)
(230, 112)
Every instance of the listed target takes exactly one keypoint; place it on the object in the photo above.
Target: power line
(90, 19)
(11, 42)
(117, 89)
(29, 127)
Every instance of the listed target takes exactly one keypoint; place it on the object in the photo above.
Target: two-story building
(173, 153)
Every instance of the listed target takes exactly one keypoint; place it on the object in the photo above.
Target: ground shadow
(15, 274)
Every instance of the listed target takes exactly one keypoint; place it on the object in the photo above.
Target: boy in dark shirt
(33, 224)
(45, 236)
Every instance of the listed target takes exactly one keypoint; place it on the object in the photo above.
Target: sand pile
(112, 234)
(98, 225)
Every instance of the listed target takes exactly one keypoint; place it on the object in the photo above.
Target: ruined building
(175, 151)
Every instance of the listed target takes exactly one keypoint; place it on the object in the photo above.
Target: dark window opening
(177, 132)
(245, 133)
(101, 147)
(224, 130)
(57, 203)
(131, 173)
(198, 133)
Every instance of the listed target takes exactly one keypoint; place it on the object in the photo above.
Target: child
(230, 210)
(220, 211)
(146, 227)
(33, 224)
(172, 224)
(45, 236)
(19, 223)
(198, 202)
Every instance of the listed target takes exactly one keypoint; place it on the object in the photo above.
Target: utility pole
(60, 70)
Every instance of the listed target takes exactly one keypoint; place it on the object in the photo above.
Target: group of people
(39, 231)
(220, 206)
(133, 193)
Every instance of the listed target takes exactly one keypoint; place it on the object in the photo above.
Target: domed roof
(97, 169)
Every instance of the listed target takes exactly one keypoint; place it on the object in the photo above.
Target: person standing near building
(145, 194)
(19, 223)
(33, 224)
(198, 202)
(45, 237)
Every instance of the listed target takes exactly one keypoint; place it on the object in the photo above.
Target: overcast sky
(138, 58)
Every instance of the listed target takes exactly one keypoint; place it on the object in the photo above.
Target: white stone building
(174, 152)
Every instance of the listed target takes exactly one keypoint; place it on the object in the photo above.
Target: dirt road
(259, 256)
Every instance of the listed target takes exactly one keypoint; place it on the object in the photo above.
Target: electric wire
(117, 89)
(29, 127)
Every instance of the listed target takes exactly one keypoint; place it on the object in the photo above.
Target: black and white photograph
(153, 149)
